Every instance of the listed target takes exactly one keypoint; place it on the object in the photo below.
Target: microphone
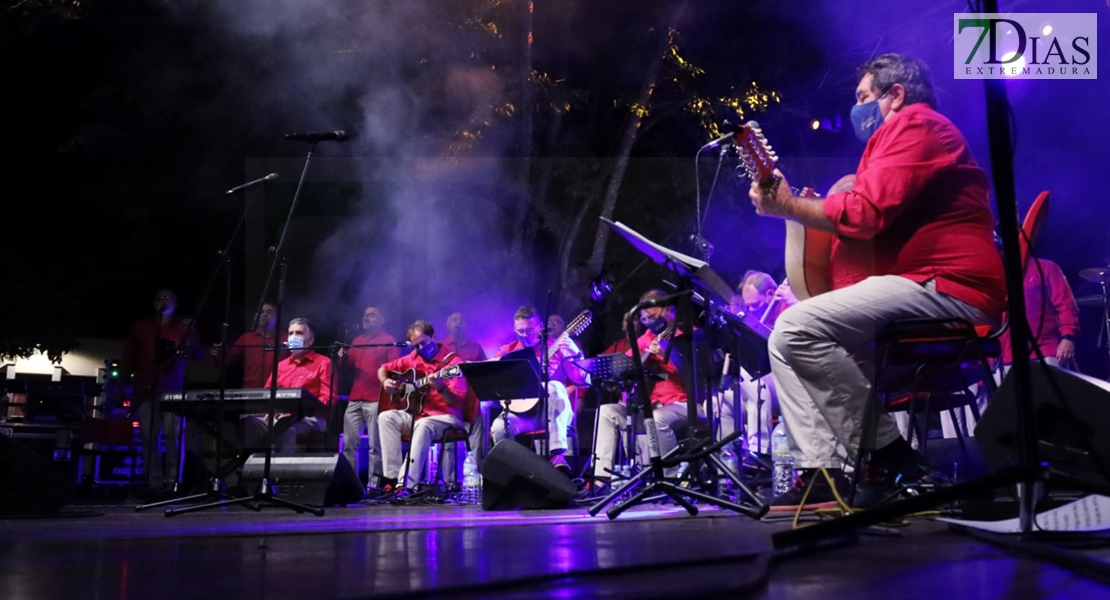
(239, 188)
(319, 136)
(665, 300)
(724, 139)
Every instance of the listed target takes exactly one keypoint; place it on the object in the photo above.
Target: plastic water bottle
(725, 486)
(472, 480)
(783, 461)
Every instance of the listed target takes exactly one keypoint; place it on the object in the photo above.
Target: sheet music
(690, 261)
(1091, 513)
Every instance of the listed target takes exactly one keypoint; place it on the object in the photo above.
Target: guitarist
(440, 410)
(562, 372)
(913, 239)
(668, 396)
(759, 301)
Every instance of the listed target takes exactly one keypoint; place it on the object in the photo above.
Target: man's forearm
(809, 212)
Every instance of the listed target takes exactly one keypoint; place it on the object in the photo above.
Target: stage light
(833, 124)
(1046, 29)
(1015, 67)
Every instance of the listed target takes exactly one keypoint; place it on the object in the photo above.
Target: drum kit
(1101, 276)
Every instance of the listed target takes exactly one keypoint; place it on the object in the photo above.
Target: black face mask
(428, 351)
(657, 326)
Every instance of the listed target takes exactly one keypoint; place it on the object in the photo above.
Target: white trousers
(392, 424)
(559, 412)
(613, 427)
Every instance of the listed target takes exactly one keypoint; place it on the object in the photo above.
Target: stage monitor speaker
(30, 484)
(515, 477)
(312, 478)
(1072, 416)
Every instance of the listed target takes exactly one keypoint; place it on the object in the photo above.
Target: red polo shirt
(255, 351)
(364, 363)
(919, 209)
(670, 390)
(140, 355)
(1050, 309)
(468, 350)
(434, 403)
(311, 371)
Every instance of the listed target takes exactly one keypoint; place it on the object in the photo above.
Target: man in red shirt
(305, 368)
(756, 293)
(440, 409)
(154, 355)
(475, 413)
(562, 372)
(913, 238)
(255, 349)
(458, 342)
(369, 350)
(1052, 314)
(668, 396)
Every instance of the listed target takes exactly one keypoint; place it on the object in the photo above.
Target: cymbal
(1096, 274)
(1095, 300)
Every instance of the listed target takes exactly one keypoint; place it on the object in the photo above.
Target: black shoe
(819, 495)
(888, 473)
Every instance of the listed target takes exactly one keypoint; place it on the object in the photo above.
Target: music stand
(502, 379)
(621, 368)
(695, 276)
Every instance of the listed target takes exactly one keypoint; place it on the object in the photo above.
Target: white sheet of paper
(1091, 513)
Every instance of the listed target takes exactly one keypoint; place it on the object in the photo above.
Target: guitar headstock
(579, 324)
(756, 155)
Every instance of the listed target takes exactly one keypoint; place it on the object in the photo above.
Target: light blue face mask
(296, 342)
(866, 119)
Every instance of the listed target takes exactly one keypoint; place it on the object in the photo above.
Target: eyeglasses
(528, 331)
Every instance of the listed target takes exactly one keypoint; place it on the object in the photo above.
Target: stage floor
(445, 551)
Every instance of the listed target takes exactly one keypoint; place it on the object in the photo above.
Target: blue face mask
(866, 118)
(428, 351)
(296, 342)
(657, 325)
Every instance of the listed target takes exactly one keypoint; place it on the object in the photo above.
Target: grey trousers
(359, 415)
(758, 403)
(822, 391)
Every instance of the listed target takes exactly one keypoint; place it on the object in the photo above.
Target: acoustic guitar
(807, 250)
(412, 389)
(575, 328)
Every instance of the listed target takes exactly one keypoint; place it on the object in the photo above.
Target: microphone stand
(215, 489)
(545, 379)
(265, 494)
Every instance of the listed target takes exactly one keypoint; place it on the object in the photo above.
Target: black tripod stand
(265, 494)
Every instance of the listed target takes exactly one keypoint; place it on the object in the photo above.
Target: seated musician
(433, 408)
(304, 368)
(760, 301)
(912, 239)
(562, 372)
(668, 396)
